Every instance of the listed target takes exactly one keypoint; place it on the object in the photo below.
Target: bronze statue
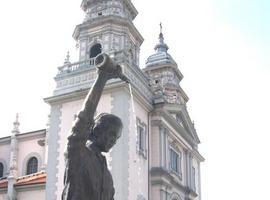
(87, 176)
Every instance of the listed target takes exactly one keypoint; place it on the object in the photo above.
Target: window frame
(141, 129)
(30, 166)
(178, 170)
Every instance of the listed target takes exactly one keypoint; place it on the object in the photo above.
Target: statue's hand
(110, 72)
(108, 69)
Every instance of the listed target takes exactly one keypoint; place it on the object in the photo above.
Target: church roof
(37, 178)
(3, 183)
(32, 179)
(161, 56)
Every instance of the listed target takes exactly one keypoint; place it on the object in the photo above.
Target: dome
(161, 56)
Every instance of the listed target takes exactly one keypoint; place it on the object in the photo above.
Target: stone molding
(100, 22)
(160, 176)
(23, 188)
(127, 3)
(26, 159)
(5, 140)
(32, 135)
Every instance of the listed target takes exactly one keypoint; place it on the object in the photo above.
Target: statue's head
(106, 131)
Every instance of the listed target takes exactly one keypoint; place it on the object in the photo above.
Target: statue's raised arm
(86, 175)
(107, 69)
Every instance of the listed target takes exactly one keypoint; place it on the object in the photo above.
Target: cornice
(158, 66)
(111, 20)
(39, 186)
(34, 134)
(5, 140)
(37, 134)
(2, 190)
(129, 4)
(145, 103)
(110, 87)
(161, 176)
(80, 93)
(196, 154)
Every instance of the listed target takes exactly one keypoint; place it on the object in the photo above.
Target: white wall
(138, 170)
(31, 195)
(27, 147)
(5, 156)
(3, 196)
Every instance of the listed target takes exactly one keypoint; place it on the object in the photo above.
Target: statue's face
(108, 137)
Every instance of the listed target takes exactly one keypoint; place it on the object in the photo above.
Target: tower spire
(161, 46)
(160, 26)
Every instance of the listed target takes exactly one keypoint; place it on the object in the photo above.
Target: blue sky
(250, 17)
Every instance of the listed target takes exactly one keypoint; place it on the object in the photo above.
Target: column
(13, 166)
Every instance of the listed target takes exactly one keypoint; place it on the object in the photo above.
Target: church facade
(157, 156)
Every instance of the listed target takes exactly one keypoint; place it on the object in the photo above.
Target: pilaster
(53, 145)
(199, 179)
(188, 168)
(120, 153)
(163, 147)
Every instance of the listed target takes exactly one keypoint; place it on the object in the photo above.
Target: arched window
(95, 50)
(1, 170)
(32, 166)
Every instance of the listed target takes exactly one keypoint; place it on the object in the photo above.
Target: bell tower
(108, 27)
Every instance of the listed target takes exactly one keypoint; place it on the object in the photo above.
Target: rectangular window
(141, 138)
(174, 161)
(141, 135)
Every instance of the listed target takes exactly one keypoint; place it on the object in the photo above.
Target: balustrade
(72, 67)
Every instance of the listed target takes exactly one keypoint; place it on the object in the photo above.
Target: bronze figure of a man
(87, 176)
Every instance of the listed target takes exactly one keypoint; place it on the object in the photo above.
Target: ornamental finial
(67, 61)
(16, 125)
(160, 26)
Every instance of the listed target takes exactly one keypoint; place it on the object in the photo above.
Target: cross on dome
(161, 46)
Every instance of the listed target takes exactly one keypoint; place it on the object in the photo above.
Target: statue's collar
(92, 147)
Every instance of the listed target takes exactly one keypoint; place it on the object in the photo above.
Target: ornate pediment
(183, 119)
